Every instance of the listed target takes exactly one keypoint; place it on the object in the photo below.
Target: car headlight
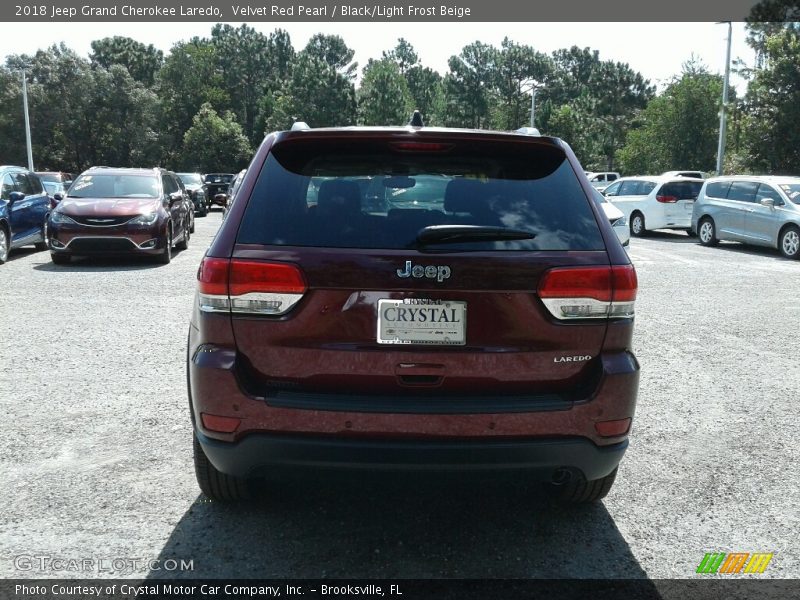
(146, 219)
(60, 218)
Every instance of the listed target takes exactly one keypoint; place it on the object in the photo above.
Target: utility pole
(722, 112)
(534, 88)
(27, 120)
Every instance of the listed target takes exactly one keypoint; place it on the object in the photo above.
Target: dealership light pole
(27, 120)
(535, 87)
(722, 112)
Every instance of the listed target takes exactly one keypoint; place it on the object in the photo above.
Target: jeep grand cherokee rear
(412, 298)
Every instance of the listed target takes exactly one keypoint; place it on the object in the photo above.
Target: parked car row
(104, 210)
(758, 210)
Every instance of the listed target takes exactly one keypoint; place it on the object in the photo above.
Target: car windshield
(53, 187)
(190, 178)
(92, 185)
(792, 191)
(363, 196)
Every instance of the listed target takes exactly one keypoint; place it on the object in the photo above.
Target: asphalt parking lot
(96, 461)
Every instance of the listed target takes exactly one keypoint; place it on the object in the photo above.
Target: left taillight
(248, 286)
(667, 199)
(589, 292)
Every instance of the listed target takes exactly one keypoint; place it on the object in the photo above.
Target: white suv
(655, 202)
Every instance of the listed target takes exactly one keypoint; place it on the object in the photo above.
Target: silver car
(760, 210)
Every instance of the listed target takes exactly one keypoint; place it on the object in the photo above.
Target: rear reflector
(589, 292)
(248, 286)
(220, 424)
(613, 428)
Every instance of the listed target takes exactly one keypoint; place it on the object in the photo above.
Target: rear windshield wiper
(457, 234)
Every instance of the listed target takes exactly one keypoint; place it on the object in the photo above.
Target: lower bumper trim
(260, 452)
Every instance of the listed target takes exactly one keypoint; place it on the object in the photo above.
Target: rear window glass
(636, 187)
(682, 190)
(369, 195)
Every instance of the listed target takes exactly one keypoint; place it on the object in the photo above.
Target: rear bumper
(260, 452)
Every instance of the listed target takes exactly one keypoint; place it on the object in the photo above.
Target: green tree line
(208, 103)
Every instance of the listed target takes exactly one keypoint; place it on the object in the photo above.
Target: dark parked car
(482, 321)
(24, 207)
(217, 186)
(234, 189)
(121, 211)
(197, 191)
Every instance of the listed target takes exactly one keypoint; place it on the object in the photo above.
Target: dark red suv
(413, 298)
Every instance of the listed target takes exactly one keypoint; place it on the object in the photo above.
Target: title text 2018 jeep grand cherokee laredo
(413, 298)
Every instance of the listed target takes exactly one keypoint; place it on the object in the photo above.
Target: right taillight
(249, 286)
(589, 292)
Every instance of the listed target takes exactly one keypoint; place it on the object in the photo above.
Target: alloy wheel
(791, 243)
(706, 231)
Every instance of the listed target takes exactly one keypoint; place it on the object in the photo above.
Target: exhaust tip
(561, 477)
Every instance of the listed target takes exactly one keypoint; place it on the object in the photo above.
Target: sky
(657, 50)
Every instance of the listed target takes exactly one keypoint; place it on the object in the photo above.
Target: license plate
(420, 321)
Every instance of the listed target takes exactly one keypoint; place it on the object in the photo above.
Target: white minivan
(655, 202)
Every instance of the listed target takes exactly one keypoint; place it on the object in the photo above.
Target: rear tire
(707, 232)
(637, 225)
(581, 491)
(789, 242)
(60, 259)
(214, 484)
